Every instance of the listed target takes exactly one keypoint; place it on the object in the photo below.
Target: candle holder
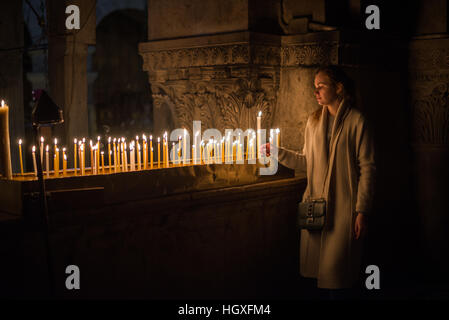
(45, 114)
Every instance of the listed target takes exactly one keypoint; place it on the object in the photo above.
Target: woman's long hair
(337, 75)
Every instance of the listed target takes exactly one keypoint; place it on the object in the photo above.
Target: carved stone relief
(431, 117)
(429, 81)
(225, 86)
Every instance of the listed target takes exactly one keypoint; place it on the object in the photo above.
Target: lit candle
(250, 156)
(131, 155)
(47, 161)
(254, 145)
(109, 154)
(64, 163)
(82, 159)
(173, 148)
(145, 152)
(126, 156)
(166, 149)
(20, 155)
(115, 156)
(197, 144)
(138, 155)
(56, 163)
(151, 158)
(42, 150)
(74, 155)
(222, 150)
(97, 150)
(158, 152)
(102, 161)
(110, 168)
(91, 157)
(34, 161)
(5, 151)
(56, 159)
(151, 150)
(94, 168)
(123, 154)
(178, 160)
(259, 126)
(201, 151)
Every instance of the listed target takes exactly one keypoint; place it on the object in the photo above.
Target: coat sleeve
(367, 168)
(292, 159)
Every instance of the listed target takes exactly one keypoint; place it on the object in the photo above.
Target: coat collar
(342, 112)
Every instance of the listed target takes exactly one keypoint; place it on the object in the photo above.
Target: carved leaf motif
(431, 117)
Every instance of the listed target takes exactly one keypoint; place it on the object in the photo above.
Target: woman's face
(325, 92)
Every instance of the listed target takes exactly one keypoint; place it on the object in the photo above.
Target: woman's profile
(338, 156)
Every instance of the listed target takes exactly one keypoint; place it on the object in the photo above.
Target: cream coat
(333, 255)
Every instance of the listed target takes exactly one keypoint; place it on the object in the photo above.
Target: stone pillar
(223, 62)
(429, 83)
(11, 73)
(67, 69)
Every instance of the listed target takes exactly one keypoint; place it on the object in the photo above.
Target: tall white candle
(42, 150)
(47, 160)
(5, 148)
(34, 161)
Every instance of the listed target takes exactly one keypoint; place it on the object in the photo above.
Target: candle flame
(3, 103)
(260, 114)
(63, 149)
(75, 141)
(42, 139)
(102, 152)
(84, 140)
(109, 139)
(65, 157)
(91, 143)
(277, 130)
(151, 137)
(47, 148)
(20, 141)
(115, 139)
(34, 148)
(98, 138)
(56, 141)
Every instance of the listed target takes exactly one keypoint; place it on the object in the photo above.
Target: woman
(338, 155)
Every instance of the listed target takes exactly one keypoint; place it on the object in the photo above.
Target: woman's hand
(360, 226)
(265, 149)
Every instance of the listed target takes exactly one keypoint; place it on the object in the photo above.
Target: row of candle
(142, 158)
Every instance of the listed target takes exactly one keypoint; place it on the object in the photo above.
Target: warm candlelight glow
(20, 154)
(34, 160)
(74, 155)
(47, 160)
(64, 163)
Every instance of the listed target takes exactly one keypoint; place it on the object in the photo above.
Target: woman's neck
(333, 107)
